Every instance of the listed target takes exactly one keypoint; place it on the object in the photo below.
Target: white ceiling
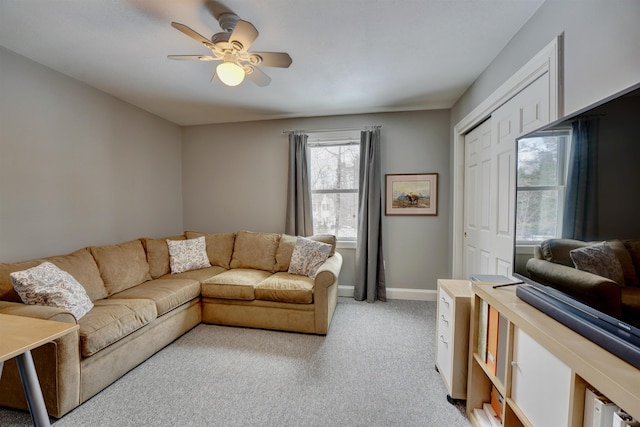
(349, 56)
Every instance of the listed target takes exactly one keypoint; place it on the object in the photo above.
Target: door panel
(490, 172)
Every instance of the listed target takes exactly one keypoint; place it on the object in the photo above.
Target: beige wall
(601, 51)
(79, 167)
(235, 177)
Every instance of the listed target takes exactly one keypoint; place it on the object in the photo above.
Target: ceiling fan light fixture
(230, 73)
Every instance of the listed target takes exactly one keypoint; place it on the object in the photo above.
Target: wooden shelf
(587, 364)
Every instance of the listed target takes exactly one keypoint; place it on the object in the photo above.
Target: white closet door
(490, 171)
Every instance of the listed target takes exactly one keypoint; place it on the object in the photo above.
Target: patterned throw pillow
(190, 254)
(600, 260)
(46, 284)
(308, 255)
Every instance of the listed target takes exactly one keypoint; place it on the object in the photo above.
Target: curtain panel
(299, 221)
(370, 274)
(581, 200)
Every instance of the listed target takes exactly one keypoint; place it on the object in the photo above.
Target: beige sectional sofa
(140, 304)
(606, 278)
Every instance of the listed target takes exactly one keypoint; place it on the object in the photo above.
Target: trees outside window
(334, 169)
(541, 186)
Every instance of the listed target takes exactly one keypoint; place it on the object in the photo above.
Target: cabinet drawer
(443, 358)
(445, 305)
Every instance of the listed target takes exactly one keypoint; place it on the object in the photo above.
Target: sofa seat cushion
(112, 319)
(166, 294)
(237, 283)
(286, 287)
(200, 275)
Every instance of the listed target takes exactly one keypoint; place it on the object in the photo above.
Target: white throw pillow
(190, 254)
(308, 255)
(600, 260)
(46, 284)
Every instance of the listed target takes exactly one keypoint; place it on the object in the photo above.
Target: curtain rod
(332, 130)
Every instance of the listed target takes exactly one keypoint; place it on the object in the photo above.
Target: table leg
(32, 390)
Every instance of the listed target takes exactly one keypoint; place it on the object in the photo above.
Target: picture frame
(411, 194)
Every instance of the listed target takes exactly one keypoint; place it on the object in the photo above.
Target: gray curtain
(299, 220)
(370, 277)
(580, 218)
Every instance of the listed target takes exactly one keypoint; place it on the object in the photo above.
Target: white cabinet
(541, 383)
(452, 335)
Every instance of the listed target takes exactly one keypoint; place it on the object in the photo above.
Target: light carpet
(374, 368)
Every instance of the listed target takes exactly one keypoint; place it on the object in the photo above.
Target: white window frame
(560, 187)
(336, 139)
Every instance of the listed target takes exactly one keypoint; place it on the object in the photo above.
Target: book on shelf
(497, 402)
(501, 363)
(491, 414)
(598, 410)
(492, 339)
(622, 419)
(483, 316)
(481, 417)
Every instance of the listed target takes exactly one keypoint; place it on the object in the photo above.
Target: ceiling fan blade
(198, 57)
(271, 59)
(193, 34)
(244, 33)
(258, 76)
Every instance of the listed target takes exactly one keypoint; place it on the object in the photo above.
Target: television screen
(577, 186)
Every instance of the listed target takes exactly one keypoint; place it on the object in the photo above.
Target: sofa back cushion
(284, 252)
(288, 242)
(121, 266)
(633, 246)
(255, 250)
(7, 293)
(219, 246)
(81, 265)
(158, 255)
(557, 250)
(599, 259)
(626, 262)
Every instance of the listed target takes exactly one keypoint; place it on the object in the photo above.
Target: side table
(18, 336)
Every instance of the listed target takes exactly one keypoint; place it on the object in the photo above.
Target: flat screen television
(579, 178)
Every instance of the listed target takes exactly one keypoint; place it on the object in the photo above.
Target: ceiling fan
(231, 47)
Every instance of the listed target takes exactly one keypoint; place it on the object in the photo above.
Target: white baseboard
(396, 293)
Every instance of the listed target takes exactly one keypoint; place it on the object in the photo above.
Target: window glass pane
(335, 213)
(538, 162)
(334, 166)
(537, 215)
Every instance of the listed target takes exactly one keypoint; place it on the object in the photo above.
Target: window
(541, 186)
(334, 168)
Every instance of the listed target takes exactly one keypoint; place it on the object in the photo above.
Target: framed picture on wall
(411, 194)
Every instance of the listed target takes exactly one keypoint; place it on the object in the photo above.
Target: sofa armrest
(596, 291)
(325, 292)
(37, 312)
(329, 271)
(57, 364)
